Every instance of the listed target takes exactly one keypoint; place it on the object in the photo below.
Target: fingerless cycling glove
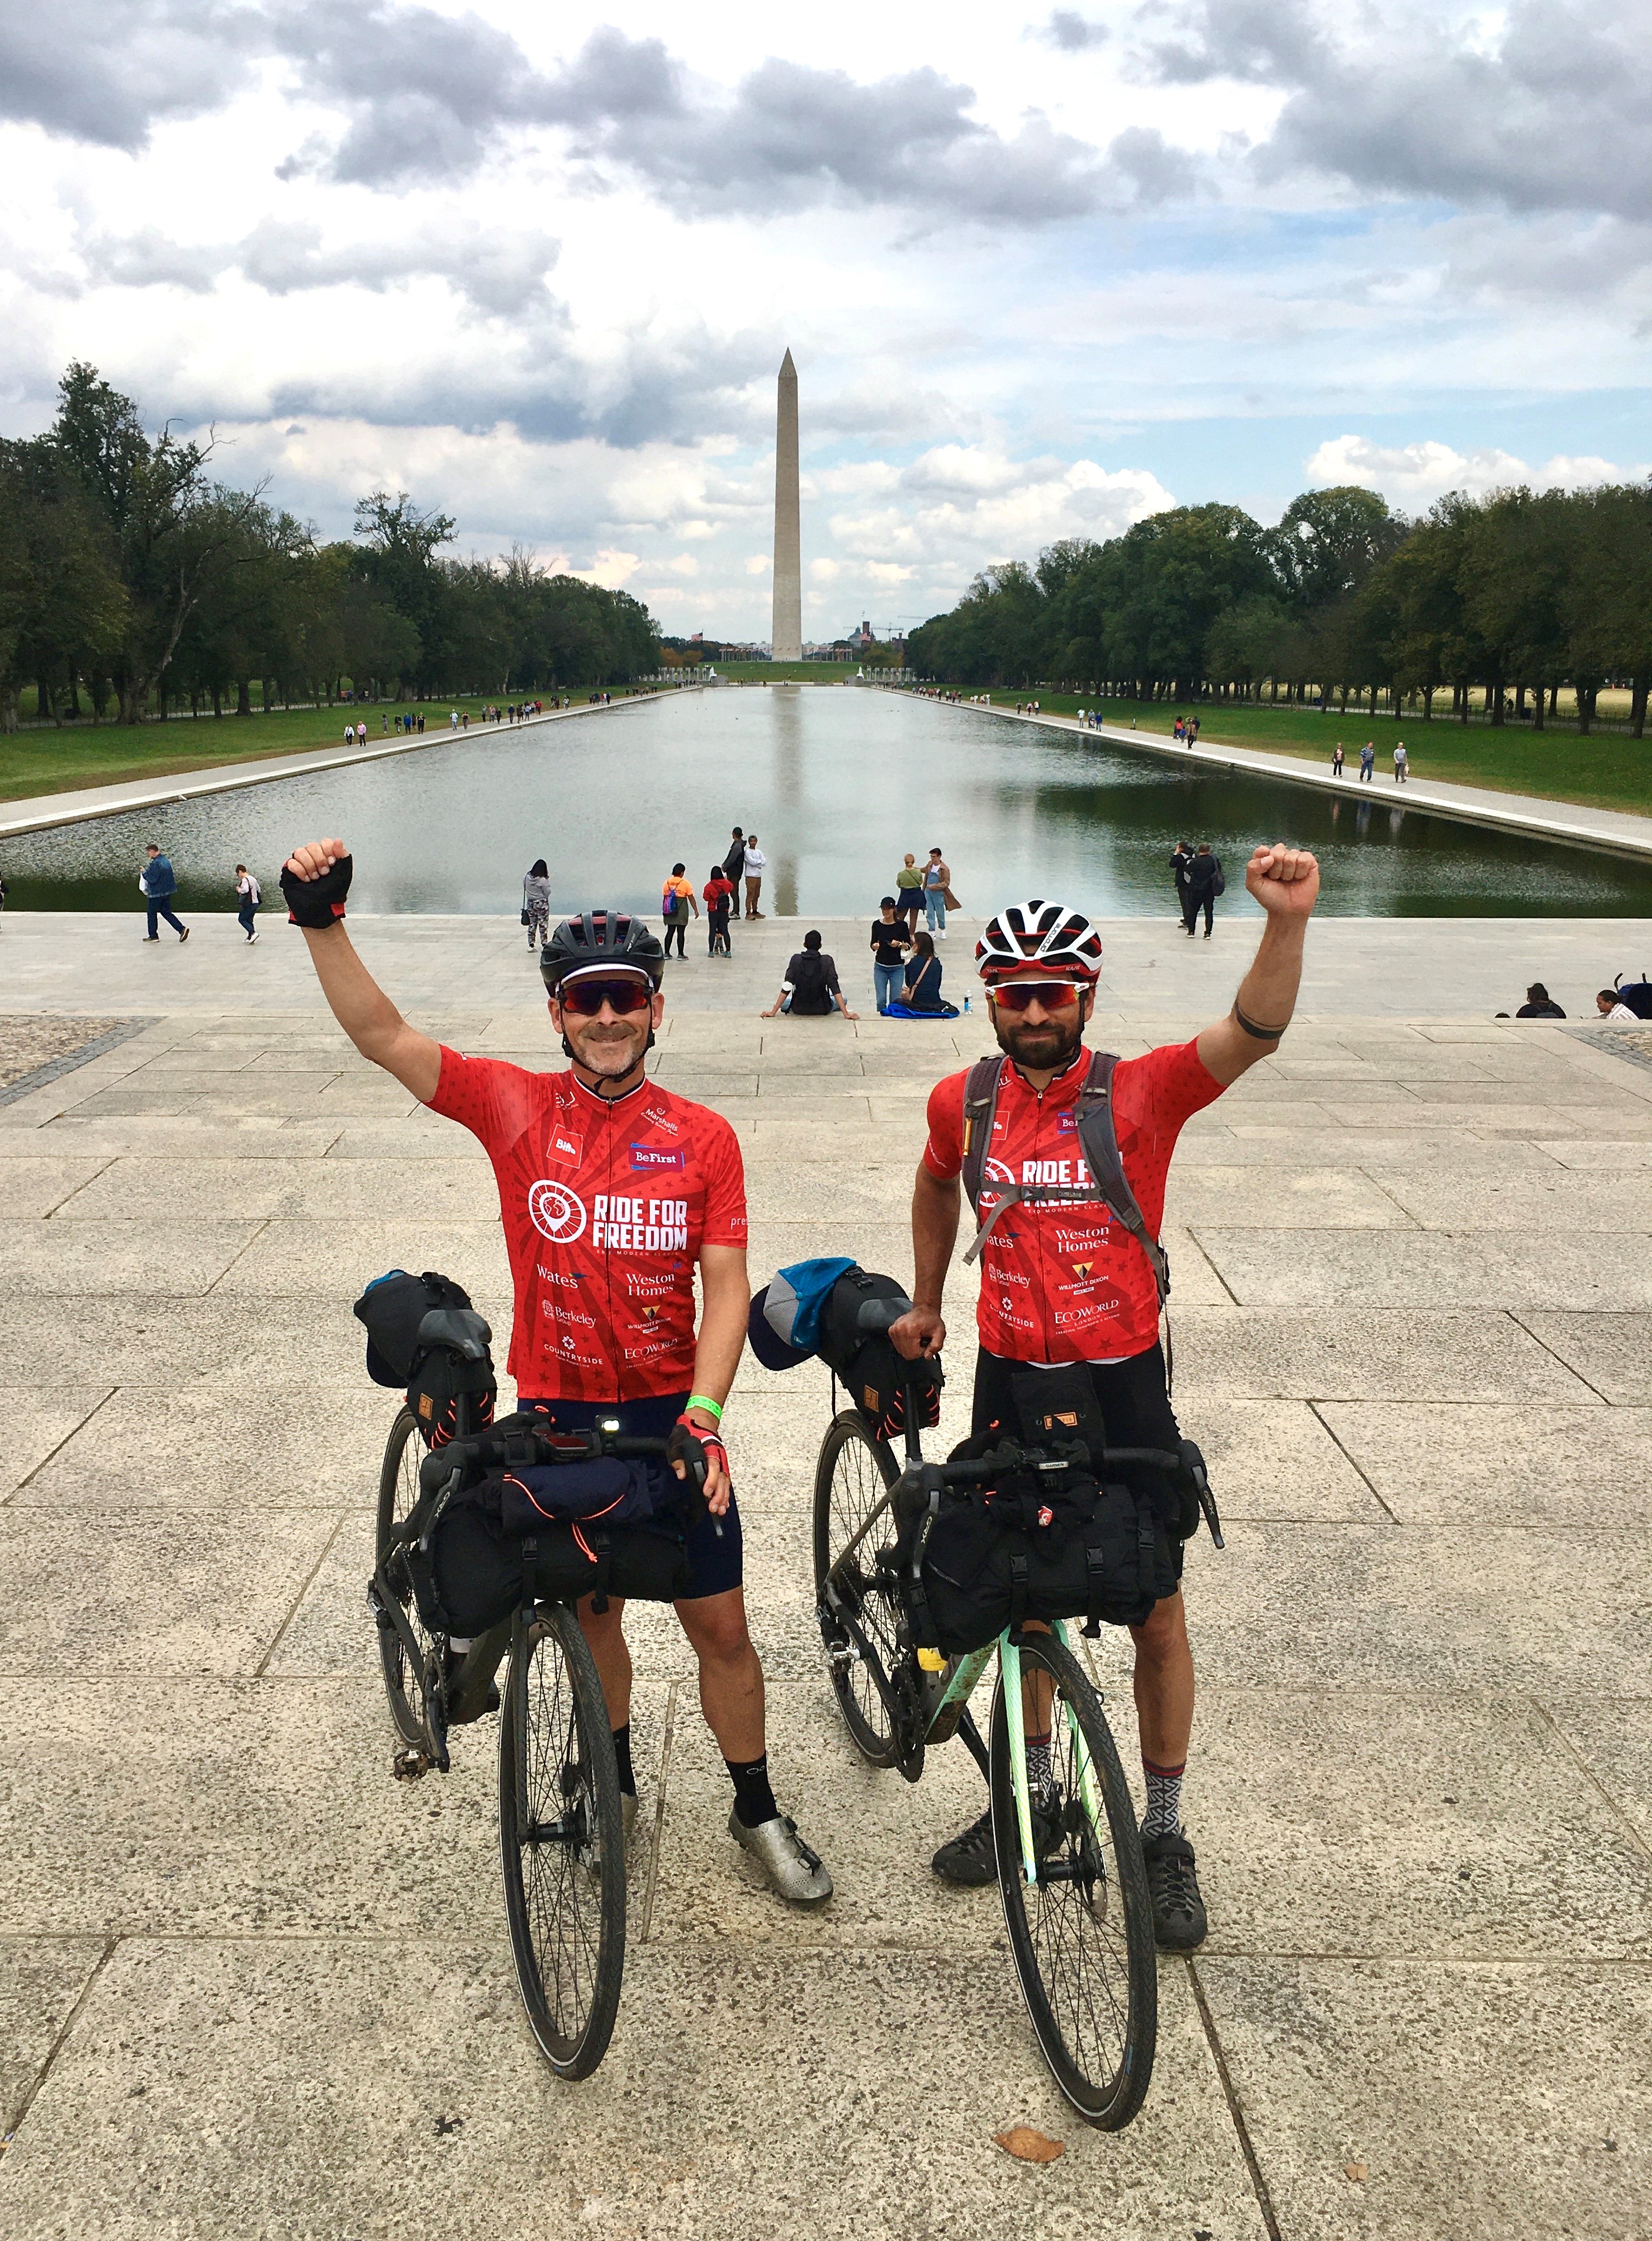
(317, 902)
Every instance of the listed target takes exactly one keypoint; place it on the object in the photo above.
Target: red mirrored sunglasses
(585, 998)
(1016, 995)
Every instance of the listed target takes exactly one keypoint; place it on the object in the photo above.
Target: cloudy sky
(1041, 272)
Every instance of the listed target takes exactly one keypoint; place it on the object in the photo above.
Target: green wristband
(699, 1401)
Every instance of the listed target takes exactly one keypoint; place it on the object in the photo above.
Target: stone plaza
(252, 1985)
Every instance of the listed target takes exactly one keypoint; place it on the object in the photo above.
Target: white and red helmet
(1039, 937)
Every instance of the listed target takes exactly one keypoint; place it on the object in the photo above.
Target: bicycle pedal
(409, 1765)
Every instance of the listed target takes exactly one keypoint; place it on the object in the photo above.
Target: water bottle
(966, 1003)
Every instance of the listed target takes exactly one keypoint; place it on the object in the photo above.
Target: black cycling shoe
(970, 1860)
(1179, 1924)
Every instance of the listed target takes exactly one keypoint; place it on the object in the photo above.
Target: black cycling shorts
(1134, 1403)
(716, 1562)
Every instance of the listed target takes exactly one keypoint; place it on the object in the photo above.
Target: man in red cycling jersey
(1065, 1281)
(611, 1191)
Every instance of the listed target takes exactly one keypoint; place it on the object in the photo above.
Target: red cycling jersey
(606, 1206)
(1063, 1282)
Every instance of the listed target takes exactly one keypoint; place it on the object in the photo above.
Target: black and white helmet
(1044, 937)
(596, 939)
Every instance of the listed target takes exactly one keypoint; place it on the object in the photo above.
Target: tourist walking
(677, 900)
(938, 894)
(1368, 761)
(909, 891)
(251, 895)
(159, 883)
(1181, 864)
(1336, 761)
(1400, 765)
(891, 940)
(1205, 883)
(810, 989)
(755, 863)
(719, 896)
(536, 903)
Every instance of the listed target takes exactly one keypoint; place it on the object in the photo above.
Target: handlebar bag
(433, 1377)
(474, 1577)
(1021, 1551)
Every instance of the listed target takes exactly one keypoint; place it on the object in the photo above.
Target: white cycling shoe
(795, 1871)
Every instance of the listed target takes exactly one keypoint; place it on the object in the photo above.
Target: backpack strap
(1099, 1138)
(981, 1109)
(1018, 1592)
(1095, 1567)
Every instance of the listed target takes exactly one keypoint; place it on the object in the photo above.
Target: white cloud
(1415, 474)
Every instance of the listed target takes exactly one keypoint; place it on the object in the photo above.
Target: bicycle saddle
(460, 1329)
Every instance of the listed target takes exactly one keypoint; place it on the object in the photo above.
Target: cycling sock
(622, 1754)
(1038, 1763)
(1164, 1798)
(754, 1799)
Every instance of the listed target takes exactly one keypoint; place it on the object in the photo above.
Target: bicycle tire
(398, 1491)
(1070, 1943)
(562, 1842)
(853, 1473)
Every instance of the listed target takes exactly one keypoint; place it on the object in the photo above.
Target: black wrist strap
(1262, 1034)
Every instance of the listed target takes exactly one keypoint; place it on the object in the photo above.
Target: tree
(62, 608)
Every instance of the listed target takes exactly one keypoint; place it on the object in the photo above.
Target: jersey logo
(556, 1212)
(645, 1157)
(569, 1150)
(1083, 1268)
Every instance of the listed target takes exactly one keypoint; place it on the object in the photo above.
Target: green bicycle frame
(962, 1685)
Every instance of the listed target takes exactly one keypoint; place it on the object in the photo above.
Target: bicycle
(561, 1836)
(1070, 1869)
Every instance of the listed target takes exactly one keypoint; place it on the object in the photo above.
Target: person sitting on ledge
(1539, 1005)
(922, 989)
(810, 989)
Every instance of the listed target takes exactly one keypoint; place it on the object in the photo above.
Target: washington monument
(786, 638)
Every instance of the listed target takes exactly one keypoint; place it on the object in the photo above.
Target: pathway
(250, 1985)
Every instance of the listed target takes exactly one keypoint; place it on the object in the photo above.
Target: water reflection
(838, 784)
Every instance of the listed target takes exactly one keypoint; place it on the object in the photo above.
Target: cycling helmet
(600, 937)
(1044, 937)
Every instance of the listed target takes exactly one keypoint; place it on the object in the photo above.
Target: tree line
(1512, 597)
(131, 576)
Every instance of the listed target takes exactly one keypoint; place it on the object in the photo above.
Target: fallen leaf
(1357, 2171)
(1028, 2147)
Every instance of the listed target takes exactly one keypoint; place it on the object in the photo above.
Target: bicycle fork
(1015, 1713)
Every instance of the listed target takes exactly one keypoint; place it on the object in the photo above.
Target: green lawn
(49, 761)
(1606, 770)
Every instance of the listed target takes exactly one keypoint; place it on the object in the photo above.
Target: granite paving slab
(41, 1980)
(1470, 1268)
(272, 2087)
(1362, 1354)
(1611, 1352)
(135, 1257)
(39, 1419)
(1478, 2101)
(1432, 1462)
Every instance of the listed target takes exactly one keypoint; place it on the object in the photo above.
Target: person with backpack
(810, 989)
(1205, 883)
(677, 900)
(1074, 1147)
(720, 895)
(612, 1191)
(247, 909)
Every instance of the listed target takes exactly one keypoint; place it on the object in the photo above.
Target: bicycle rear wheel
(406, 1676)
(562, 1842)
(1082, 1935)
(855, 1474)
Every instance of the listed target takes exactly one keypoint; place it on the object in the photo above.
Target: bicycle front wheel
(562, 1842)
(1082, 1935)
(405, 1675)
(854, 1475)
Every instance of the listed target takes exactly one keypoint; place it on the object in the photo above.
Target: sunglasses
(1016, 995)
(584, 999)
